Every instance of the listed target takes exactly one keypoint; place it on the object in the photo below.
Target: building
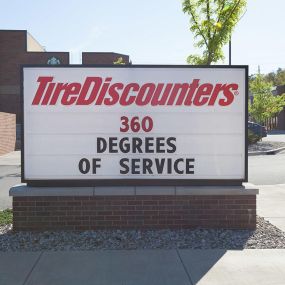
(280, 124)
(18, 47)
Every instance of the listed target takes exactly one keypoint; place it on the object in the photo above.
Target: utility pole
(230, 42)
(230, 51)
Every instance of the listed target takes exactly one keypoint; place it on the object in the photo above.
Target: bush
(6, 217)
(252, 137)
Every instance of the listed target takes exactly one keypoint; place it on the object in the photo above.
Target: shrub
(6, 217)
(252, 137)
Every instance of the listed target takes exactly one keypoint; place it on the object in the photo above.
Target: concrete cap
(22, 190)
(245, 189)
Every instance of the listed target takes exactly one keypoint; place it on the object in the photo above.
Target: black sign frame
(135, 182)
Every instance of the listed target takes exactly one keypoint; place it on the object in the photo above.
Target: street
(9, 176)
(267, 169)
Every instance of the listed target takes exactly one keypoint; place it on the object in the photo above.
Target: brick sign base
(92, 212)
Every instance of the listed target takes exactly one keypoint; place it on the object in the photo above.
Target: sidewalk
(275, 136)
(271, 205)
(12, 158)
(147, 267)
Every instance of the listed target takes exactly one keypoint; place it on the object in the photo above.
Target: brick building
(281, 116)
(19, 47)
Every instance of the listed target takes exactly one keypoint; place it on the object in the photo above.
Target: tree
(265, 105)
(119, 61)
(280, 77)
(212, 22)
(277, 78)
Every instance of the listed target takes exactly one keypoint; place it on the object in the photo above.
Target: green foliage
(6, 217)
(265, 105)
(119, 61)
(277, 78)
(252, 137)
(212, 22)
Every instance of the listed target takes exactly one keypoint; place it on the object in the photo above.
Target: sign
(134, 125)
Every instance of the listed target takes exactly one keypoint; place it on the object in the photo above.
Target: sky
(149, 31)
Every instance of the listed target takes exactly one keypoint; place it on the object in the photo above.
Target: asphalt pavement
(270, 204)
(275, 136)
(267, 169)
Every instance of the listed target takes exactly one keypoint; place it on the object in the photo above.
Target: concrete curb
(267, 152)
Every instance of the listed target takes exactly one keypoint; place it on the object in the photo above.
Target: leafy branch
(213, 22)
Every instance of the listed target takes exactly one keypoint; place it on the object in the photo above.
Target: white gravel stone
(265, 236)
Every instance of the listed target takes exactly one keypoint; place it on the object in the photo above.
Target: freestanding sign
(139, 125)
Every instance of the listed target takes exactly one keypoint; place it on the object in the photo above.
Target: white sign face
(134, 122)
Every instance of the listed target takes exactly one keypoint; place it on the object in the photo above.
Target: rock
(265, 236)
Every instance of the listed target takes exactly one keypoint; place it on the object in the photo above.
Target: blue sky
(150, 31)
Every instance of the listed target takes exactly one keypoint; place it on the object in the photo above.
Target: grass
(6, 217)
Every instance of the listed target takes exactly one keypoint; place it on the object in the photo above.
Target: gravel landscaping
(265, 236)
(264, 146)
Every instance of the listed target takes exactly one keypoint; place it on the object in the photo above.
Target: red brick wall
(281, 120)
(7, 132)
(12, 40)
(13, 53)
(151, 211)
(10, 103)
(102, 57)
